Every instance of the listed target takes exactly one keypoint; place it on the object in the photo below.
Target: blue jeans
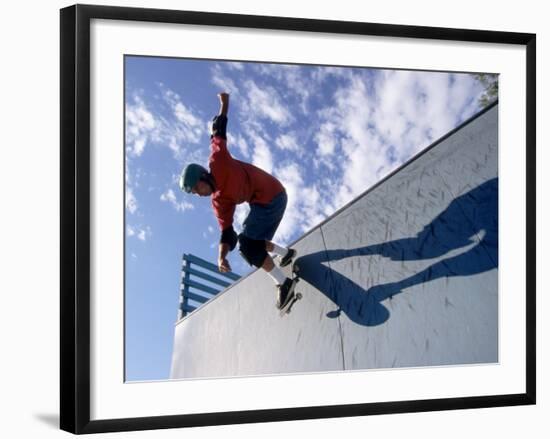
(263, 219)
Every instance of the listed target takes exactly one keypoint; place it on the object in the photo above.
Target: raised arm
(224, 102)
(219, 123)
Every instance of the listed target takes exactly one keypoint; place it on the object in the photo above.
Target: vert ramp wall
(406, 275)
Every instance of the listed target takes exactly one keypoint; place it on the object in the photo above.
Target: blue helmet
(191, 176)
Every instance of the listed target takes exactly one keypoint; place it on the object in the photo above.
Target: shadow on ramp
(470, 220)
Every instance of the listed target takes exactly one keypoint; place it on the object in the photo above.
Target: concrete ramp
(405, 275)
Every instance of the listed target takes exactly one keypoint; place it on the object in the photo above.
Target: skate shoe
(287, 259)
(286, 291)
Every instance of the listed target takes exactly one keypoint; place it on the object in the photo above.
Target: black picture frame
(75, 217)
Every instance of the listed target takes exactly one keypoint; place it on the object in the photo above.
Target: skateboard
(295, 296)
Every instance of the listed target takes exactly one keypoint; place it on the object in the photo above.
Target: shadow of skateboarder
(470, 220)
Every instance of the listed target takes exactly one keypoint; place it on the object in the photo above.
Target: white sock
(281, 251)
(277, 275)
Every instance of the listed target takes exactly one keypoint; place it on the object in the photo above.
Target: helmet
(190, 176)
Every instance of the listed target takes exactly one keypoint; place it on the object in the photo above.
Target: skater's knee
(229, 237)
(252, 250)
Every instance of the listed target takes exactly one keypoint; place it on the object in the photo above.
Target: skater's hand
(223, 96)
(224, 102)
(223, 265)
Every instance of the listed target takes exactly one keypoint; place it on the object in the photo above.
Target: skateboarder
(230, 182)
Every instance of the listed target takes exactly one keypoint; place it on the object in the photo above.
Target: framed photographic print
(276, 218)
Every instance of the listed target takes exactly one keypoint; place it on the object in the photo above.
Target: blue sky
(327, 133)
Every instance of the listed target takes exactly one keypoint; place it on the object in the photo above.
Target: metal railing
(193, 291)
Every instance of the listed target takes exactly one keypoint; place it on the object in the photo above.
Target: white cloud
(306, 204)
(235, 65)
(240, 142)
(413, 109)
(177, 129)
(241, 212)
(144, 234)
(139, 232)
(224, 83)
(131, 201)
(298, 84)
(287, 142)
(292, 180)
(187, 126)
(464, 88)
(346, 124)
(380, 121)
(294, 82)
(209, 231)
(266, 103)
(180, 206)
(140, 124)
(320, 74)
(262, 156)
(326, 139)
(183, 114)
(175, 145)
(312, 207)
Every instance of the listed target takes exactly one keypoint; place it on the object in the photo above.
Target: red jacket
(237, 182)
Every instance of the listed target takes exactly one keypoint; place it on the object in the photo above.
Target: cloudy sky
(326, 133)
